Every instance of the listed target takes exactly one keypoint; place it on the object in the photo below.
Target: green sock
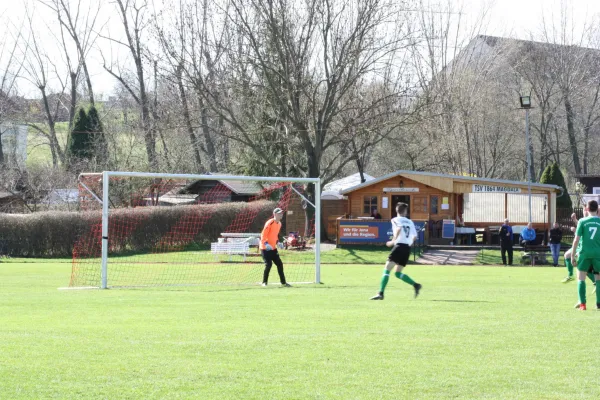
(384, 280)
(597, 294)
(569, 266)
(592, 277)
(405, 278)
(581, 290)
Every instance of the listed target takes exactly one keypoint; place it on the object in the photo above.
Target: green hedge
(54, 233)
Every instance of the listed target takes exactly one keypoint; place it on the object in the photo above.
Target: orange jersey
(270, 233)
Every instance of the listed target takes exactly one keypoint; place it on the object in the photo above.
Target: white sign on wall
(495, 189)
(384, 202)
(400, 190)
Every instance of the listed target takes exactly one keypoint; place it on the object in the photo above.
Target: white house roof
(4, 193)
(63, 196)
(345, 183)
(331, 195)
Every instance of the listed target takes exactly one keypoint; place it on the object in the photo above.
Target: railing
(419, 245)
(563, 217)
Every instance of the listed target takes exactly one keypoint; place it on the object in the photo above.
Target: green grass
(38, 150)
(494, 257)
(128, 148)
(356, 255)
(476, 332)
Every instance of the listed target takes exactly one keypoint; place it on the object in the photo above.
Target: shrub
(55, 233)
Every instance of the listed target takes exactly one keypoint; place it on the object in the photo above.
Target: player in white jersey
(404, 236)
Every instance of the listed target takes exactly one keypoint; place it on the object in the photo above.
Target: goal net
(147, 229)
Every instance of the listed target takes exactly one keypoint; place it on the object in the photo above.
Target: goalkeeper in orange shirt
(268, 247)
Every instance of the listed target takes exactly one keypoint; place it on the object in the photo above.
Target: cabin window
(369, 204)
(434, 204)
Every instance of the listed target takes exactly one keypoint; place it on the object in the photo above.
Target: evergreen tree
(87, 140)
(80, 143)
(553, 175)
(96, 134)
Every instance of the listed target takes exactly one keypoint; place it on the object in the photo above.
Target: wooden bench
(230, 248)
(535, 254)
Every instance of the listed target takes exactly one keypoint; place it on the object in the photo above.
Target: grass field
(475, 333)
(494, 257)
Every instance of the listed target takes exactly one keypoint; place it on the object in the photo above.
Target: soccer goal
(152, 229)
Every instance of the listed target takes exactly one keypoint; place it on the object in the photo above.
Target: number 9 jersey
(407, 234)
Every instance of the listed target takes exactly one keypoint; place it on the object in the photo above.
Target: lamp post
(545, 228)
(526, 105)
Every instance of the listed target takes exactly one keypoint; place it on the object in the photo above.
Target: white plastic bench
(230, 248)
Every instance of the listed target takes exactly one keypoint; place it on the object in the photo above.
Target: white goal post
(224, 250)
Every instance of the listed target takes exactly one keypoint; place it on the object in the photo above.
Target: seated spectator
(527, 236)
(375, 214)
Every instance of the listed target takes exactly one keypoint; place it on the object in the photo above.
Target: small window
(434, 204)
(370, 204)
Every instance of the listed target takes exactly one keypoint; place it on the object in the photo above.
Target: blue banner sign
(371, 231)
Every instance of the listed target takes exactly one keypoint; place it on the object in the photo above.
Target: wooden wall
(332, 210)
(356, 199)
(295, 219)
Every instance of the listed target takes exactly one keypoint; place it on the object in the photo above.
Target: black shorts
(400, 254)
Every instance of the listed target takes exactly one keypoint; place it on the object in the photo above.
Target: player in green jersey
(567, 257)
(585, 253)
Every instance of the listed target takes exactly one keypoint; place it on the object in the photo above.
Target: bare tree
(533, 65)
(80, 24)
(299, 64)
(38, 66)
(461, 77)
(10, 68)
(135, 22)
(193, 41)
(569, 62)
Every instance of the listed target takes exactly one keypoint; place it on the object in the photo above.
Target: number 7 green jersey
(588, 230)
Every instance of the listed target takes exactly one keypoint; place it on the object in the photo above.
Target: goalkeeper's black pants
(270, 257)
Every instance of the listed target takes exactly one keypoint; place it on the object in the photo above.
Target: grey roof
(587, 175)
(5, 194)
(532, 44)
(466, 178)
(243, 187)
(240, 187)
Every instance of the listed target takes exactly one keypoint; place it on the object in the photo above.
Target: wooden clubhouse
(448, 205)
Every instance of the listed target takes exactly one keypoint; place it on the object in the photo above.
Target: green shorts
(589, 265)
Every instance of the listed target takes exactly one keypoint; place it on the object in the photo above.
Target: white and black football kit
(401, 250)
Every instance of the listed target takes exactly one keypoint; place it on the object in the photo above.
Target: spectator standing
(506, 242)
(555, 240)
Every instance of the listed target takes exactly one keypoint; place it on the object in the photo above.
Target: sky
(515, 18)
